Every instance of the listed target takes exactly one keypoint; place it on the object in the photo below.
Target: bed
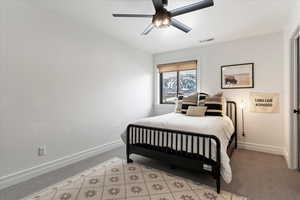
(198, 143)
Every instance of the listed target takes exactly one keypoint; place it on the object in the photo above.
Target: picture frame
(237, 76)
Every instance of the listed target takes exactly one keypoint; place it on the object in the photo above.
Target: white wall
(264, 131)
(290, 134)
(63, 85)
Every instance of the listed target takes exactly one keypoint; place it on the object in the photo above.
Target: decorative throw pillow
(219, 94)
(214, 105)
(224, 106)
(178, 106)
(196, 111)
(189, 101)
(201, 99)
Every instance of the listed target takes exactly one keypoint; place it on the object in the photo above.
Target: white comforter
(222, 127)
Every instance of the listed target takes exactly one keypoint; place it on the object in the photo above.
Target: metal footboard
(179, 148)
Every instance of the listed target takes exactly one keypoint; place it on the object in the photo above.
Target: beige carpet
(117, 180)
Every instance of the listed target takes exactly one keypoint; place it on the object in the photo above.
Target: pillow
(196, 111)
(219, 94)
(178, 106)
(214, 105)
(191, 100)
(201, 99)
(224, 106)
(224, 103)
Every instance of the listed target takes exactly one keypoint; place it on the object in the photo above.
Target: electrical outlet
(42, 151)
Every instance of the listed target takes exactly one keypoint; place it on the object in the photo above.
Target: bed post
(232, 114)
(235, 125)
(218, 167)
(218, 180)
(128, 145)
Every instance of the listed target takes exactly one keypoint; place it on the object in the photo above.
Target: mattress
(221, 127)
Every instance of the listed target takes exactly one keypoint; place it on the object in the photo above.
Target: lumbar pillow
(196, 111)
(189, 101)
(214, 105)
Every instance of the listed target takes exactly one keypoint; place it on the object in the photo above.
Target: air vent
(207, 40)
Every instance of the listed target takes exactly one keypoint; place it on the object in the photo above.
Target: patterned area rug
(117, 180)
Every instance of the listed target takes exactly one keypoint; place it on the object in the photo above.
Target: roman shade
(171, 67)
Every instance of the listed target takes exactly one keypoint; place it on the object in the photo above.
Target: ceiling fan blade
(180, 25)
(158, 4)
(192, 7)
(132, 15)
(148, 29)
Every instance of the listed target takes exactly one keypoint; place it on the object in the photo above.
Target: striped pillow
(214, 105)
(201, 98)
(189, 101)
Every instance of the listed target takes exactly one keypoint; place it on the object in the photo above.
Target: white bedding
(222, 127)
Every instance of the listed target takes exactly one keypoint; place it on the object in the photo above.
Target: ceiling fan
(164, 18)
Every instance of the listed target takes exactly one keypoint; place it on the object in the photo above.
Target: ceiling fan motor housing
(165, 2)
(161, 19)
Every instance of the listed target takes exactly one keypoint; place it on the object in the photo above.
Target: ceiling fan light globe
(157, 23)
(166, 22)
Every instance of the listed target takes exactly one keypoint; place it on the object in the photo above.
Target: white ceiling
(227, 20)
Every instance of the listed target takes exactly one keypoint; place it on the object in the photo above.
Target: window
(177, 79)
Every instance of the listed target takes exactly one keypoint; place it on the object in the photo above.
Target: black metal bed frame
(181, 148)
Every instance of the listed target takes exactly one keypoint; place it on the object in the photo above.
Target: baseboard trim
(26, 174)
(262, 148)
(23, 175)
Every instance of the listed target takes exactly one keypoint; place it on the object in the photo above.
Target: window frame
(177, 77)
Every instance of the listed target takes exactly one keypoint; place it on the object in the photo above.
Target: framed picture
(237, 76)
(264, 102)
